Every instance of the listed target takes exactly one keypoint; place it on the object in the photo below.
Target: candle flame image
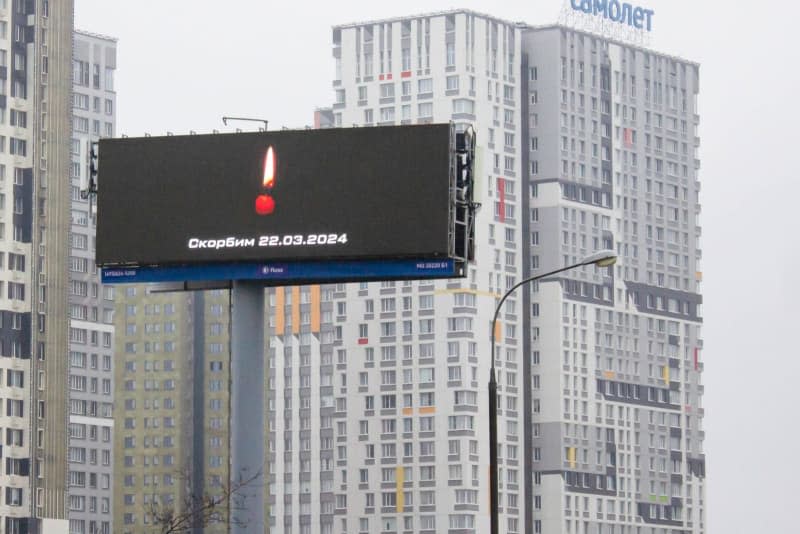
(265, 204)
(269, 169)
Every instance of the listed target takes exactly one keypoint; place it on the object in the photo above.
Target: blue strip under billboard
(278, 273)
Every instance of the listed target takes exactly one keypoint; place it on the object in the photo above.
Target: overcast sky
(183, 64)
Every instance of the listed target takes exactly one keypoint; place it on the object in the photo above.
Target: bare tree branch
(199, 511)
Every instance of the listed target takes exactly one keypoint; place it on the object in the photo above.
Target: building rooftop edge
(523, 26)
(96, 35)
(429, 14)
(609, 39)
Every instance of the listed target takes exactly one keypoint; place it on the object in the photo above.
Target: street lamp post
(601, 259)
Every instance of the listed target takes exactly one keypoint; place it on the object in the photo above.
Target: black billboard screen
(355, 193)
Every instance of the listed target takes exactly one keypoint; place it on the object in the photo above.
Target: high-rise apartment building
(35, 62)
(617, 413)
(91, 310)
(302, 408)
(379, 420)
(383, 423)
(172, 397)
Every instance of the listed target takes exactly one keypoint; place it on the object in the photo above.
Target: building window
(109, 79)
(452, 83)
(425, 110)
(425, 85)
(80, 72)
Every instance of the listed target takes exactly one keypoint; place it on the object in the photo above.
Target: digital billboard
(288, 196)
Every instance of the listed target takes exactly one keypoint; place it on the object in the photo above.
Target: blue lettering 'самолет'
(615, 11)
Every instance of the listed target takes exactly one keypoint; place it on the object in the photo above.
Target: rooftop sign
(615, 11)
(612, 19)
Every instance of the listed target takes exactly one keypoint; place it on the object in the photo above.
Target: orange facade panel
(280, 310)
(315, 309)
(296, 310)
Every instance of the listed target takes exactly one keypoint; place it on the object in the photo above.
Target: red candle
(265, 204)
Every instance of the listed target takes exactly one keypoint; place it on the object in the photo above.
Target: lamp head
(603, 258)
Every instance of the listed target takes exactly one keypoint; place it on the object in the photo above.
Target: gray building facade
(91, 306)
(616, 401)
(35, 49)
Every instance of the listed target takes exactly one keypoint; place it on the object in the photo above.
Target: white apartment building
(377, 392)
(91, 351)
(616, 432)
(402, 412)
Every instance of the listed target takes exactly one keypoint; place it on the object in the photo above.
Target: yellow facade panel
(399, 475)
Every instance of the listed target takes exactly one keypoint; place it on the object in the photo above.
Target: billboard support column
(247, 425)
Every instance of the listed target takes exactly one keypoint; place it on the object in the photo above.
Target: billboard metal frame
(246, 281)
